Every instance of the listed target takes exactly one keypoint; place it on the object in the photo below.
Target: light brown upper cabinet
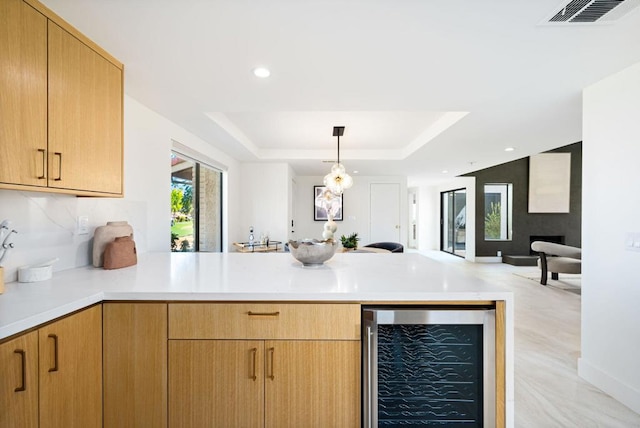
(61, 119)
(23, 94)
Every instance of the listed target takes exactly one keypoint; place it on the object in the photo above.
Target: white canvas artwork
(549, 182)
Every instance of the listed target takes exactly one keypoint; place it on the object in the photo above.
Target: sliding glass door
(453, 222)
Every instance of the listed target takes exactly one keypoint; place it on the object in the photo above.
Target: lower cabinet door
(70, 367)
(19, 382)
(216, 383)
(135, 365)
(312, 384)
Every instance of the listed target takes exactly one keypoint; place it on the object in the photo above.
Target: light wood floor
(548, 391)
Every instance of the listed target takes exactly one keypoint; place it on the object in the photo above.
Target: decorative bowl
(311, 252)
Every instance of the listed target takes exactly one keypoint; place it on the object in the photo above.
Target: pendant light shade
(338, 180)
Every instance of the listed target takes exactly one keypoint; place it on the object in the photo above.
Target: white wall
(46, 222)
(264, 200)
(356, 206)
(610, 274)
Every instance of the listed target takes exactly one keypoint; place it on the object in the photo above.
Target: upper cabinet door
(23, 94)
(85, 117)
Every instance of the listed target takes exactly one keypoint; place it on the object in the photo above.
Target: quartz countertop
(363, 277)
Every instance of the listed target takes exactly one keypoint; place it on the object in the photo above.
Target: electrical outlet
(632, 241)
(82, 225)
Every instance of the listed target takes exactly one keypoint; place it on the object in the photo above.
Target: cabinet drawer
(264, 321)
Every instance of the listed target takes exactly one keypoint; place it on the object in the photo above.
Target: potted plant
(350, 242)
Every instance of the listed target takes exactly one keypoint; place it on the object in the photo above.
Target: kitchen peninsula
(205, 305)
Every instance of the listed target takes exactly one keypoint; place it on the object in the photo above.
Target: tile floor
(548, 391)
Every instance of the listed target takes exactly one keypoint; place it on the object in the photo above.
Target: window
(498, 212)
(196, 205)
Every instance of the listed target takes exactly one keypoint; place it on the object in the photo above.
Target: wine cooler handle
(368, 393)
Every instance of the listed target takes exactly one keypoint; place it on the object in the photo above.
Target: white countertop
(364, 277)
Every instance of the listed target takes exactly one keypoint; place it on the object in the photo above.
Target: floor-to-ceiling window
(196, 205)
(498, 211)
(453, 222)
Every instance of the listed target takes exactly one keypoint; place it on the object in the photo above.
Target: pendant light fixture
(338, 180)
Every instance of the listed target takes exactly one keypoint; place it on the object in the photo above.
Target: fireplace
(557, 239)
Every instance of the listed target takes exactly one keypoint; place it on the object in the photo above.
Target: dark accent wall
(525, 224)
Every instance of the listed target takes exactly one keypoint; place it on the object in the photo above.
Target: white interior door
(385, 212)
(292, 211)
(412, 241)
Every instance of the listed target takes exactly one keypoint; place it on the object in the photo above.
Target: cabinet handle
(44, 162)
(271, 352)
(254, 352)
(59, 166)
(263, 314)
(22, 386)
(55, 353)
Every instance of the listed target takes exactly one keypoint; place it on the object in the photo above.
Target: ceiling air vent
(592, 11)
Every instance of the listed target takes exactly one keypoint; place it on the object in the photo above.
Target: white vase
(105, 234)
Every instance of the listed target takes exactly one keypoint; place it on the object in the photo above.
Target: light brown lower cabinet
(257, 364)
(70, 367)
(135, 365)
(271, 383)
(52, 377)
(19, 382)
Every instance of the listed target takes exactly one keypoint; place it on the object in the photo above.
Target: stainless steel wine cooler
(428, 367)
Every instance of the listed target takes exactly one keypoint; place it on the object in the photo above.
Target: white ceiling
(421, 86)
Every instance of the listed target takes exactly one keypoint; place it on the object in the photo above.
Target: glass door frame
(452, 231)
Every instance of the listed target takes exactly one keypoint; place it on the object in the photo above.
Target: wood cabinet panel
(23, 94)
(85, 116)
(19, 382)
(264, 321)
(216, 383)
(312, 384)
(135, 365)
(70, 371)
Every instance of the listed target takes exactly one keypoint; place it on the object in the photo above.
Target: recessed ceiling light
(509, 149)
(355, 172)
(444, 171)
(261, 72)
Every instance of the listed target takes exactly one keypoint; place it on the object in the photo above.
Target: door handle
(44, 162)
(254, 352)
(55, 353)
(23, 386)
(271, 352)
(59, 166)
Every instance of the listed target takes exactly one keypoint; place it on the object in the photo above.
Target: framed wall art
(319, 213)
(549, 182)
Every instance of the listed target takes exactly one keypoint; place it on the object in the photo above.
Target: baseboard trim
(617, 389)
(488, 259)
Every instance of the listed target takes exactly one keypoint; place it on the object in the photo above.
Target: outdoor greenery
(350, 241)
(492, 222)
(181, 218)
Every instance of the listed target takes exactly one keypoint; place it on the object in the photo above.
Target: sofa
(393, 247)
(557, 258)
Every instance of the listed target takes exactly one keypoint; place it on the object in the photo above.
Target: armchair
(557, 258)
